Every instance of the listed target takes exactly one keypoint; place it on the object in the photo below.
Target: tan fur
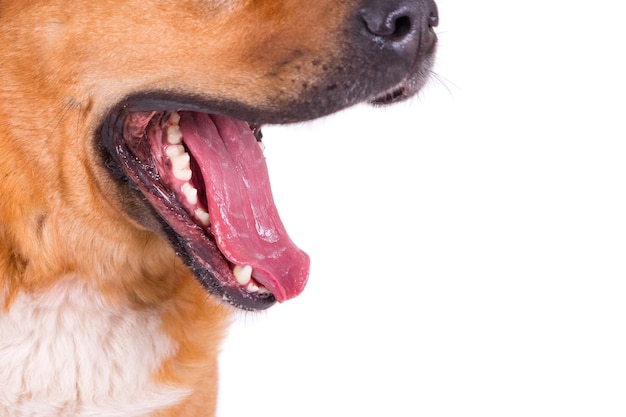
(63, 66)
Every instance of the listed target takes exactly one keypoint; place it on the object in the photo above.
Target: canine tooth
(174, 135)
(252, 287)
(203, 216)
(191, 193)
(243, 274)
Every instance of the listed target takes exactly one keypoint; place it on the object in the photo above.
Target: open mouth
(205, 177)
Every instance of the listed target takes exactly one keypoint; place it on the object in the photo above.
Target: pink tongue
(244, 219)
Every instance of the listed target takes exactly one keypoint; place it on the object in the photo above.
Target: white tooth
(203, 216)
(183, 174)
(174, 117)
(173, 151)
(174, 135)
(191, 194)
(243, 274)
(263, 290)
(252, 287)
(180, 161)
(180, 167)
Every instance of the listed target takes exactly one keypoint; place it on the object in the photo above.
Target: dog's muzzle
(400, 36)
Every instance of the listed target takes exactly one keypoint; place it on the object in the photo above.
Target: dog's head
(163, 102)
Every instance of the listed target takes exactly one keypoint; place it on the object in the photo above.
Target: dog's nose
(402, 25)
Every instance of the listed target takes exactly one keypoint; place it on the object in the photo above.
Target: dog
(135, 208)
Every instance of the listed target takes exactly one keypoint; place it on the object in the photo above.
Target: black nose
(402, 25)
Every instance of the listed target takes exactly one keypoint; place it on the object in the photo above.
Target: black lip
(193, 249)
(235, 296)
(282, 113)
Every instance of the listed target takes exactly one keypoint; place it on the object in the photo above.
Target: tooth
(183, 174)
(180, 161)
(263, 290)
(243, 274)
(180, 167)
(203, 216)
(174, 118)
(191, 194)
(252, 287)
(173, 151)
(174, 135)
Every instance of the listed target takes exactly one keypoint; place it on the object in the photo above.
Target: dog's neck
(99, 317)
(68, 350)
(71, 349)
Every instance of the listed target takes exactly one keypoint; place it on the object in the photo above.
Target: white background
(468, 248)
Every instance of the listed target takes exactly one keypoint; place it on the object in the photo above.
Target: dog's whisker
(445, 82)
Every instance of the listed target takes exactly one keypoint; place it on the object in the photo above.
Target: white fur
(66, 352)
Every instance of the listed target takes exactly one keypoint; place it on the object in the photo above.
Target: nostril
(392, 25)
(397, 20)
(402, 27)
(433, 19)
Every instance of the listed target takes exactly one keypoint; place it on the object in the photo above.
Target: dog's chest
(67, 353)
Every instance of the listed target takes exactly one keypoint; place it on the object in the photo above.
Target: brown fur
(63, 65)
